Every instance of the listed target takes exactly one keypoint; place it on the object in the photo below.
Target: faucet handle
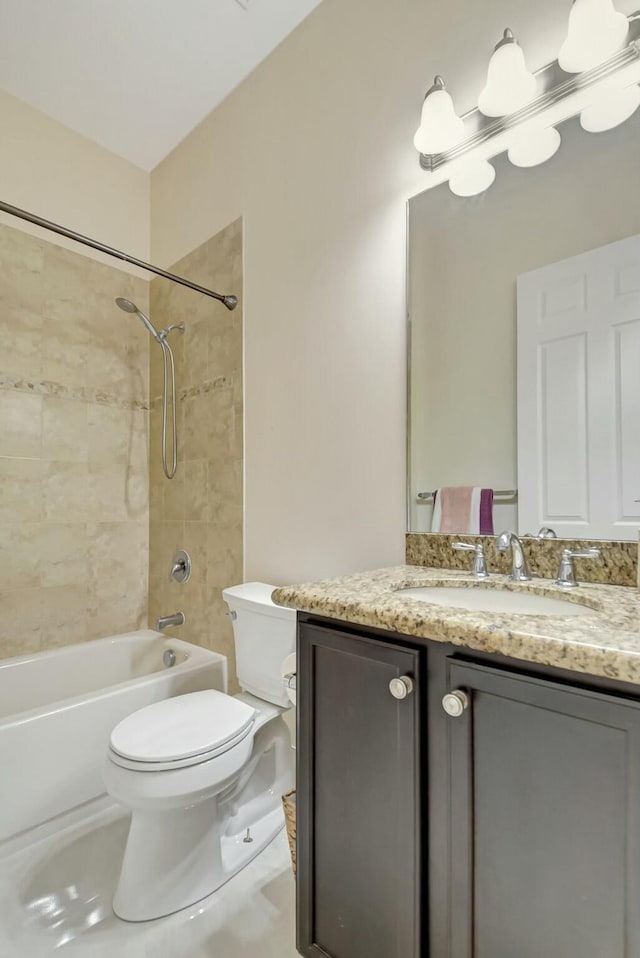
(591, 553)
(566, 574)
(180, 567)
(479, 570)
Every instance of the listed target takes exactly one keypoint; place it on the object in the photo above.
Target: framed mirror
(524, 341)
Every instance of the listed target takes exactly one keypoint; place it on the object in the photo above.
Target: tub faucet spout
(166, 621)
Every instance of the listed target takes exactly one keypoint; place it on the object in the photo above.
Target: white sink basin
(496, 600)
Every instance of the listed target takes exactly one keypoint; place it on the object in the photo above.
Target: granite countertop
(604, 642)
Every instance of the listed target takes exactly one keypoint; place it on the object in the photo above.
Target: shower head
(128, 307)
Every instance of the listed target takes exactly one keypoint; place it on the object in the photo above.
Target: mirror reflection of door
(579, 394)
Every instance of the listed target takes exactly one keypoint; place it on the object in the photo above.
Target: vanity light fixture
(535, 147)
(596, 31)
(509, 84)
(611, 110)
(519, 111)
(472, 177)
(440, 126)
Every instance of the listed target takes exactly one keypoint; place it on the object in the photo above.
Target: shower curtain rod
(228, 300)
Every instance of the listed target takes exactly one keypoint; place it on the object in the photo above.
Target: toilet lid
(181, 727)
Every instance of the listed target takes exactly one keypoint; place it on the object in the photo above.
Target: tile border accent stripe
(211, 385)
(78, 393)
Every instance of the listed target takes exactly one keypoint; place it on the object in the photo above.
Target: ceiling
(136, 76)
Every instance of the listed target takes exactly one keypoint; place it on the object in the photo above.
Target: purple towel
(486, 512)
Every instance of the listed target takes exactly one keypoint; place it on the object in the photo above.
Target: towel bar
(501, 495)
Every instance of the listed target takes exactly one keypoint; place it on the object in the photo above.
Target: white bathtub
(57, 710)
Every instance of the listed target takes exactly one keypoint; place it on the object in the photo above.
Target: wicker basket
(289, 804)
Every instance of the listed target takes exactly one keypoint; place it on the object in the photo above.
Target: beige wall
(465, 258)
(200, 509)
(54, 172)
(315, 151)
(324, 288)
(73, 448)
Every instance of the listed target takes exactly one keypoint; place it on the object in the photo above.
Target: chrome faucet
(520, 571)
(479, 569)
(166, 621)
(566, 575)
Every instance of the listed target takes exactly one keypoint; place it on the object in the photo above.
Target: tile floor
(55, 899)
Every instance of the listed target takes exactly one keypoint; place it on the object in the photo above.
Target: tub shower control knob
(180, 567)
(455, 703)
(401, 687)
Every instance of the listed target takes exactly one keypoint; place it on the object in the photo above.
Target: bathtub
(57, 710)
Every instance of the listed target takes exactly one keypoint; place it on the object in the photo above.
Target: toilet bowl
(203, 772)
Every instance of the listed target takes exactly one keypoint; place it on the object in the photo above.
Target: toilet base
(181, 849)
(190, 859)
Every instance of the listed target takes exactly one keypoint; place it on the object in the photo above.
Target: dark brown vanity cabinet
(358, 801)
(508, 828)
(543, 807)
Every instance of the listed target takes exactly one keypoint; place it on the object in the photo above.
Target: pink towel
(463, 509)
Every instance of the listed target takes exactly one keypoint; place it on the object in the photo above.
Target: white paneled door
(579, 394)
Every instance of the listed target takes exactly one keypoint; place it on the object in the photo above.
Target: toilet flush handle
(289, 681)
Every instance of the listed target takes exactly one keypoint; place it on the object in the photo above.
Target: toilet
(203, 773)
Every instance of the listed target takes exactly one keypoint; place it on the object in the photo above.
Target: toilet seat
(181, 731)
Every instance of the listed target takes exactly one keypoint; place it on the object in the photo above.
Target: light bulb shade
(596, 31)
(472, 177)
(610, 111)
(533, 148)
(509, 85)
(440, 127)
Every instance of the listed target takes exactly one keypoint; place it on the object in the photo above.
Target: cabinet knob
(401, 687)
(455, 703)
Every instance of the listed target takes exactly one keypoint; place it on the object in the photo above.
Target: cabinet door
(358, 888)
(545, 819)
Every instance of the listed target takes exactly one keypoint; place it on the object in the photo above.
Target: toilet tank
(264, 634)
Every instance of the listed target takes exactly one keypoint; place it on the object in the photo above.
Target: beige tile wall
(200, 510)
(74, 386)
